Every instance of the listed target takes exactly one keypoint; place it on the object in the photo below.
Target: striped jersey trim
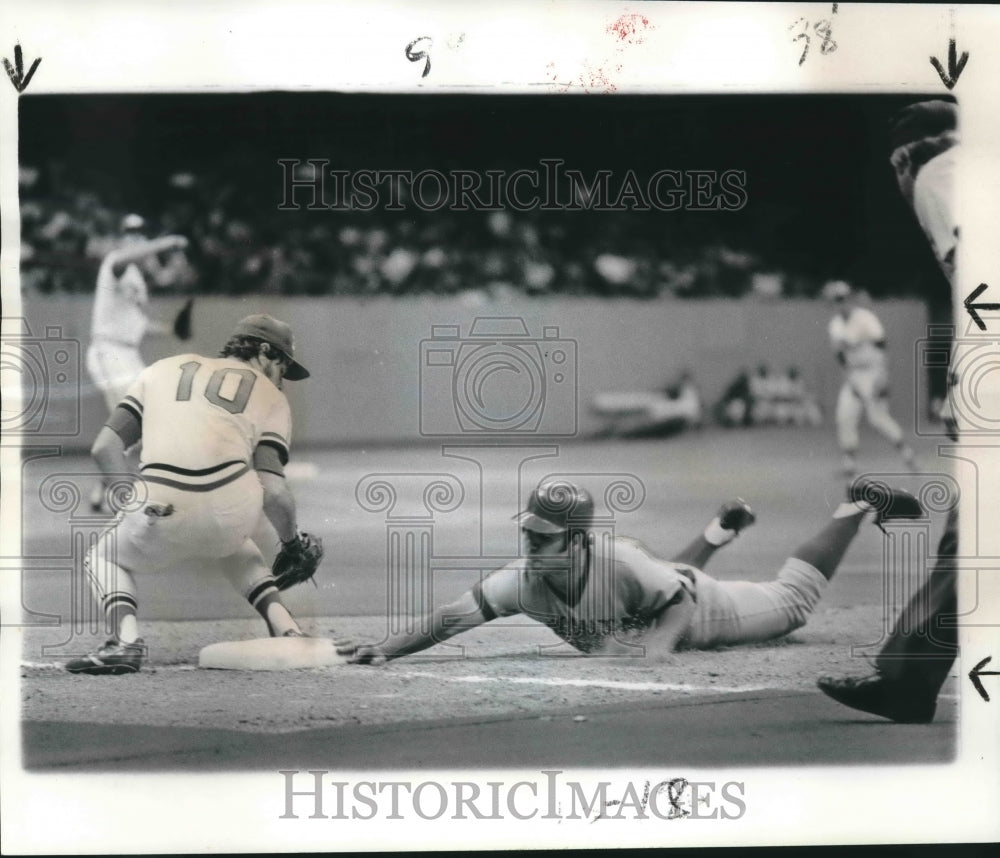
(136, 405)
(194, 480)
(192, 472)
(131, 409)
(273, 439)
(281, 449)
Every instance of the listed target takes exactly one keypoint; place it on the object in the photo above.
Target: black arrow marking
(950, 78)
(978, 671)
(973, 308)
(16, 72)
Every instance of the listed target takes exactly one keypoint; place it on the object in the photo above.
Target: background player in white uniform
(604, 595)
(215, 439)
(858, 339)
(118, 319)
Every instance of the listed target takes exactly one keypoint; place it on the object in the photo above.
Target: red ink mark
(630, 27)
(598, 80)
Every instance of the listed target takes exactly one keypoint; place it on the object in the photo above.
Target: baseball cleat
(888, 503)
(879, 696)
(736, 515)
(111, 659)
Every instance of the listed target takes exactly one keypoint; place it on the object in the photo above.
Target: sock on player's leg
(736, 515)
(115, 590)
(248, 574)
(825, 550)
(266, 601)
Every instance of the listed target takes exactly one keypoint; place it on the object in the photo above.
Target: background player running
(119, 320)
(604, 596)
(215, 439)
(858, 340)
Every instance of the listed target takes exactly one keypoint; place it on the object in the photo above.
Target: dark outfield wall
(389, 370)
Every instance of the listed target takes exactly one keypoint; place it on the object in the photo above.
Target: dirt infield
(503, 675)
(507, 670)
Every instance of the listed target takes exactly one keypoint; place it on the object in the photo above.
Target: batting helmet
(556, 506)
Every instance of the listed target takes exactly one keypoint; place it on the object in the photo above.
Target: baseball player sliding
(603, 596)
(118, 319)
(215, 440)
(858, 340)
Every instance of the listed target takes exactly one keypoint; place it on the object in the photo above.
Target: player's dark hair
(244, 348)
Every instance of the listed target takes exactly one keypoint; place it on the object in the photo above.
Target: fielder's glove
(297, 561)
(182, 323)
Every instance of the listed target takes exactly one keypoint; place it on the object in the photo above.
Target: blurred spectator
(735, 406)
(794, 405)
(764, 392)
(640, 414)
(241, 242)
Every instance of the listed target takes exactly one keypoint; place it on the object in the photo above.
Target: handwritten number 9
(415, 56)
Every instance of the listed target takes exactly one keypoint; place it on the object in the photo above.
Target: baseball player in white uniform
(215, 435)
(118, 319)
(609, 595)
(858, 340)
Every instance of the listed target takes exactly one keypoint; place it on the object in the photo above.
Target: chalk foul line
(588, 683)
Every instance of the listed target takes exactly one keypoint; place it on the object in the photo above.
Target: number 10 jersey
(202, 419)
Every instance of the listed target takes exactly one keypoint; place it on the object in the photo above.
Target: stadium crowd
(243, 243)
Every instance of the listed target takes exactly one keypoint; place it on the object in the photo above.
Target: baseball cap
(920, 120)
(133, 222)
(556, 505)
(278, 334)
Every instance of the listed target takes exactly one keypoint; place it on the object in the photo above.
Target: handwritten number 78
(823, 29)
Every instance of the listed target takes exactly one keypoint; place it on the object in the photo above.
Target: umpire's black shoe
(887, 502)
(111, 659)
(736, 515)
(879, 696)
